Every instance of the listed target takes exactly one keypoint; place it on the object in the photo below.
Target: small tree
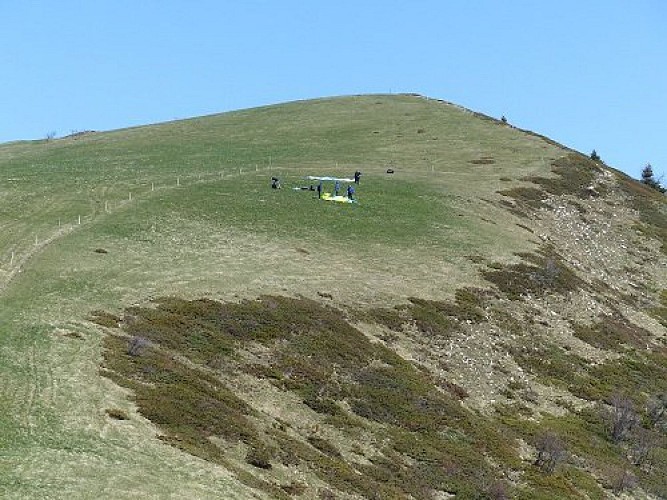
(595, 156)
(649, 179)
(644, 441)
(550, 452)
(621, 417)
(622, 479)
(647, 175)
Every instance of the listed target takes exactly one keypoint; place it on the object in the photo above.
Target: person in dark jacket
(319, 190)
(357, 177)
(350, 192)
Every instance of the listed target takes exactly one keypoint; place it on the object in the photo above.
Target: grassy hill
(172, 327)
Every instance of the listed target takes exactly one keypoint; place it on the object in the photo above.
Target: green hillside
(172, 327)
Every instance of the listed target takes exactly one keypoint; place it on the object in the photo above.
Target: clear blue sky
(591, 74)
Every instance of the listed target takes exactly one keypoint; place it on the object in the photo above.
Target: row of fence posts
(106, 205)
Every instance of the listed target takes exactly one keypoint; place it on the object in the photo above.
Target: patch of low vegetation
(430, 318)
(613, 333)
(639, 374)
(391, 318)
(434, 318)
(190, 405)
(551, 363)
(525, 198)
(430, 440)
(541, 273)
(485, 160)
(519, 389)
(106, 319)
(427, 441)
(571, 451)
(324, 446)
(117, 414)
(574, 175)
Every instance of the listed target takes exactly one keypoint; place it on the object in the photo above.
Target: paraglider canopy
(328, 178)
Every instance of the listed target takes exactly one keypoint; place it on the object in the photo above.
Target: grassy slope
(223, 233)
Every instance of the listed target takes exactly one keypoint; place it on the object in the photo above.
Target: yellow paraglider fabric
(339, 199)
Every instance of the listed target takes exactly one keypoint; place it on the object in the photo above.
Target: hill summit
(488, 320)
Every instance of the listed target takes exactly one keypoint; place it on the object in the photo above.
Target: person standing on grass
(350, 192)
(319, 190)
(357, 177)
(336, 188)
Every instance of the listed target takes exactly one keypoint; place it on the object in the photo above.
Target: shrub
(137, 345)
(426, 439)
(117, 414)
(259, 456)
(544, 273)
(613, 333)
(390, 318)
(621, 416)
(324, 446)
(644, 441)
(574, 175)
(622, 479)
(550, 452)
(429, 320)
(656, 409)
(105, 319)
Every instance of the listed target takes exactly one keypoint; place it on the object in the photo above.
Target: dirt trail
(21, 262)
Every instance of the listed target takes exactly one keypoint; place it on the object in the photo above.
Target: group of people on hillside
(336, 190)
(275, 184)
